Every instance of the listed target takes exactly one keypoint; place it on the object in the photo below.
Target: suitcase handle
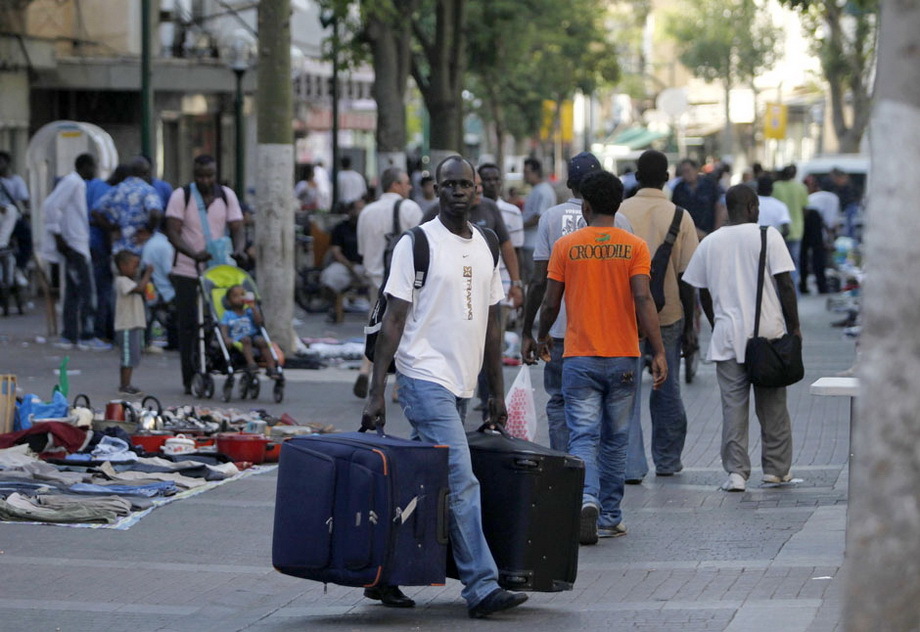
(493, 428)
(443, 522)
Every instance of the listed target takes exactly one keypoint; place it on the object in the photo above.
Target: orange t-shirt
(595, 264)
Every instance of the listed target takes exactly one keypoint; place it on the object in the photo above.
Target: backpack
(662, 258)
(421, 258)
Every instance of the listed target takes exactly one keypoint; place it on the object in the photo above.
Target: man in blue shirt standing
(130, 205)
(157, 252)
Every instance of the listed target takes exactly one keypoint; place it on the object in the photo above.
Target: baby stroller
(213, 355)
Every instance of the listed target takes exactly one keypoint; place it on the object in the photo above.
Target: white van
(855, 165)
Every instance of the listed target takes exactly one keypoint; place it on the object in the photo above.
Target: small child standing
(130, 316)
(240, 327)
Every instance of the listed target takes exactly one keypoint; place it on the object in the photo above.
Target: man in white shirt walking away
(725, 267)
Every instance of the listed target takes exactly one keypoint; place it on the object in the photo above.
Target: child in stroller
(240, 327)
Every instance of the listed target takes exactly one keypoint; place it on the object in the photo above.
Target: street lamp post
(238, 53)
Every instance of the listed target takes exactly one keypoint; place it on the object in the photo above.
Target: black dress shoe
(390, 596)
(497, 601)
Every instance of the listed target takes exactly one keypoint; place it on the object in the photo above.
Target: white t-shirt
(65, 214)
(514, 222)
(445, 333)
(773, 212)
(351, 185)
(828, 204)
(375, 222)
(555, 222)
(726, 264)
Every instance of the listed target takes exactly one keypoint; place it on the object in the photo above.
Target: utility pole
(882, 567)
(275, 170)
(146, 88)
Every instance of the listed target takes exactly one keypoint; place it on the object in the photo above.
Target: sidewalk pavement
(695, 558)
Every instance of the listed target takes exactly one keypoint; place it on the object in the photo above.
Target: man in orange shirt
(604, 274)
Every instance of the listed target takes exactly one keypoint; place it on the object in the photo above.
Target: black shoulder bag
(661, 259)
(777, 362)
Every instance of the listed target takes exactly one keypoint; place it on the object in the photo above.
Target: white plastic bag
(522, 411)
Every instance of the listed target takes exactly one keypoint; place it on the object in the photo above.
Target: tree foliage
(522, 53)
(724, 40)
(844, 36)
(512, 54)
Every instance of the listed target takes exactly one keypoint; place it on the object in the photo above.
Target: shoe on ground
(154, 350)
(63, 343)
(131, 391)
(360, 387)
(676, 470)
(587, 533)
(634, 481)
(612, 532)
(390, 596)
(735, 483)
(93, 344)
(497, 601)
(773, 479)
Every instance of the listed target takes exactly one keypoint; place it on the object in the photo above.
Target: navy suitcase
(361, 509)
(531, 507)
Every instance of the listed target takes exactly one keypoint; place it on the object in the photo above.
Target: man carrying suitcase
(438, 335)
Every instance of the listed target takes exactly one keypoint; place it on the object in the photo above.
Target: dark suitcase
(531, 507)
(361, 510)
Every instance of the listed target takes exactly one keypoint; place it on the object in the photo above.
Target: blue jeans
(79, 298)
(598, 396)
(105, 297)
(555, 405)
(436, 416)
(669, 419)
(636, 463)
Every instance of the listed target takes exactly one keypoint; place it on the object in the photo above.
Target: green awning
(634, 137)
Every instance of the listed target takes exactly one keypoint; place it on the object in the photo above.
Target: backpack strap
(675, 225)
(187, 191)
(492, 240)
(421, 256)
(396, 206)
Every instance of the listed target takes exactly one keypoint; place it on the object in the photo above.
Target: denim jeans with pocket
(598, 396)
(555, 405)
(436, 416)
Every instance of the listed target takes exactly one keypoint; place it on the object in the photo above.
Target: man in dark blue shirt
(700, 196)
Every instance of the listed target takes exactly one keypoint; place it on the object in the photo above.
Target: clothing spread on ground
(91, 478)
(449, 315)
(596, 265)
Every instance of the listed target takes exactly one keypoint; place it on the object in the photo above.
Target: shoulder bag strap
(396, 222)
(675, 225)
(760, 277)
(202, 212)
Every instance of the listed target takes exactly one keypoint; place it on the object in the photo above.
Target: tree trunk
(883, 550)
(728, 140)
(390, 41)
(843, 71)
(440, 78)
(275, 169)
